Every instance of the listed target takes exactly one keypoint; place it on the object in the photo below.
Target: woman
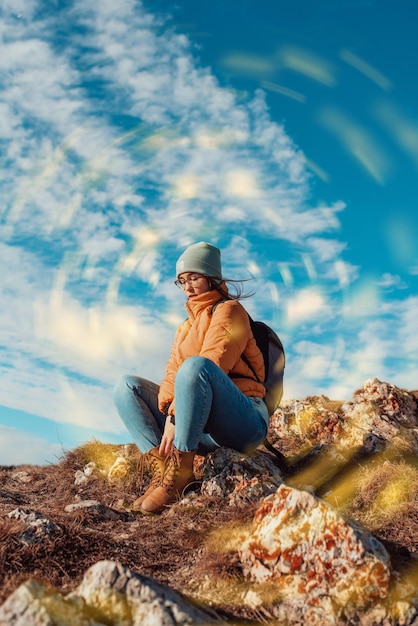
(211, 394)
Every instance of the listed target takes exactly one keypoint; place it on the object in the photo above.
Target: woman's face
(193, 284)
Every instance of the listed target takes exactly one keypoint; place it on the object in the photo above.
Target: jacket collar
(201, 302)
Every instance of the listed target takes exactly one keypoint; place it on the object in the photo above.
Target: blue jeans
(210, 410)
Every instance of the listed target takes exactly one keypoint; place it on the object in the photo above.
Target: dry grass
(171, 548)
(385, 502)
(384, 492)
(192, 551)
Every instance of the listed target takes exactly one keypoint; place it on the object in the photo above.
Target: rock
(119, 469)
(384, 412)
(404, 614)
(313, 420)
(238, 477)
(318, 562)
(378, 414)
(94, 506)
(90, 468)
(115, 589)
(32, 604)
(38, 527)
(22, 477)
(109, 594)
(82, 477)
(400, 614)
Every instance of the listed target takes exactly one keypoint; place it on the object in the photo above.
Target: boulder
(381, 412)
(119, 469)
(109, 594)
(113, 589)
(236, 477)
(32, 604)
(317, 563)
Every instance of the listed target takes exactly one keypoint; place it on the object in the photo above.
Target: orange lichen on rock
(308, 549)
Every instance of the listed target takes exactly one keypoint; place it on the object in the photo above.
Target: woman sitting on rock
(210, 396)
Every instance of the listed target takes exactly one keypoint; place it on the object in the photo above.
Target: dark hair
(216, 283)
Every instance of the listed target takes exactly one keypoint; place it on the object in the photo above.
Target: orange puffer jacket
(222, 336)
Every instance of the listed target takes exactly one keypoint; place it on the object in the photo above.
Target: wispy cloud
(390, 281)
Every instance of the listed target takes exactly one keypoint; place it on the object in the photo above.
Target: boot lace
(172, 469)
(149, 464)
(156, 468)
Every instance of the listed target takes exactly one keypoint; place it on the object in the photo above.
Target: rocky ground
(326, 534)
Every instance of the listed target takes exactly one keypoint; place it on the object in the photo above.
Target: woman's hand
(166, 444)
(167, 408)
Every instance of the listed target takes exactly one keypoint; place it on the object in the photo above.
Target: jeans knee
(192, 367)
(123, 386)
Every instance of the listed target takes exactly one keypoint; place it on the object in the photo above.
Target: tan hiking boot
(178, 474)
(155, 464)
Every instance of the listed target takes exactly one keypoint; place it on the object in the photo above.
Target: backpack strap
(215, 306)
(282, 462)
(246, 361)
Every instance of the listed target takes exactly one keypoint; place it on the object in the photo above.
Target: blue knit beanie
(202, 258)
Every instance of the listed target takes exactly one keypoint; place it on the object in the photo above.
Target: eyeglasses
(192, 280)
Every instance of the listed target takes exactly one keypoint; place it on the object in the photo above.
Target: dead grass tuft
(385, 492)
(103, 455)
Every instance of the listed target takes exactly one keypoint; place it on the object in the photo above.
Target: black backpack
(272, 350)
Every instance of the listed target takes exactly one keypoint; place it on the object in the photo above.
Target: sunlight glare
(284, 91)
(252, 64)
(286, 274)
(187, 187)
(308, 63)
(358, 141)
(402, 128)
(400, 235)
(363, 299)
(310, 268)
(242, 183)
(366, 69)
(305, 304)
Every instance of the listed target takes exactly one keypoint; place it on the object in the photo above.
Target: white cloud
(326, 250)
(390, 281)
(306, 304)
(93, 334)
(52, 341)
(20, 448)
(407, 330)
(314, 360)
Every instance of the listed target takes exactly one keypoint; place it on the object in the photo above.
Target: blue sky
(286, 133)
